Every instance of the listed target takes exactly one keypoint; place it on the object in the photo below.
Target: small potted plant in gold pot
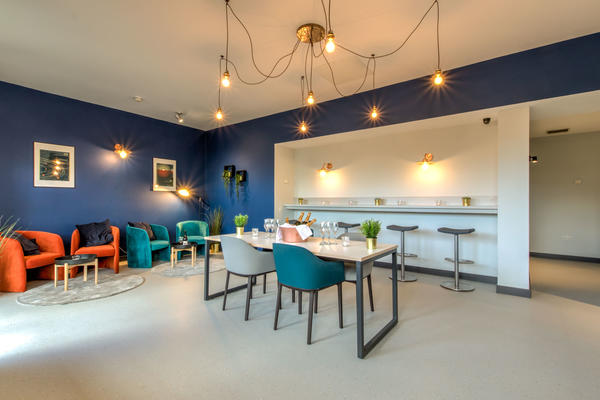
(240, 222)
(370, 228)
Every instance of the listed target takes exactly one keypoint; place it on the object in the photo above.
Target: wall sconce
(179, 117)
(533, 159)
(184, 192)
(327, 166)
(426, 161)
(122, 151)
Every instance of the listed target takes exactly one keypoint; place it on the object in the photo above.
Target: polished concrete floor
(570, 279)
(162, 341)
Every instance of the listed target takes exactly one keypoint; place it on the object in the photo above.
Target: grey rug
(184, 268)
(108, 285)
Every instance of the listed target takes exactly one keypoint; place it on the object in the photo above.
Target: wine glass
(272, 226)
(266, 225)
(334, 228)
(323, 229)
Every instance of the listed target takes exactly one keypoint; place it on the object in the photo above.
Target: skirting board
(513, 291)
(565, 257)
(440, 272)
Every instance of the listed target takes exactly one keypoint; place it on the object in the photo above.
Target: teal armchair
(140, 248)
(299, 269)
(196, 231)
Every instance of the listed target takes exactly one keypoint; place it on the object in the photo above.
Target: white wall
(565, 195)
(513, 197)
(465, 163)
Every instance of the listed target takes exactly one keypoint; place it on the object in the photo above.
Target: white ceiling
(105, 52)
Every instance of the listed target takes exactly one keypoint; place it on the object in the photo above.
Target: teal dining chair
(195, 230)
(299, 269)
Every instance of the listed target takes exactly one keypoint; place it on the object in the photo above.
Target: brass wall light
(184, 192)
(426, 161)
(122, 151)
(325, 168)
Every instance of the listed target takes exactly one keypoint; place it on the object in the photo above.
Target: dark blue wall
(560, 69)
(106, 186)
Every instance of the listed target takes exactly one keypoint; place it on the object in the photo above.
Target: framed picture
(164, 175)
(53, 165)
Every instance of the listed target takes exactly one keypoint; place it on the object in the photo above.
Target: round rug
(184, 267)
(108, 285)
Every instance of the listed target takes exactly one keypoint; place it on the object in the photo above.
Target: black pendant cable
(310, 34)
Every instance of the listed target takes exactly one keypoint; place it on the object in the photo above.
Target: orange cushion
(100, 251)
(39, 260)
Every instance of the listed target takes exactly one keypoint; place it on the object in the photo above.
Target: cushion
(158, 244)
(95, 233)
(29, 246)
(145, 226)
(40, 260)
(100, 251)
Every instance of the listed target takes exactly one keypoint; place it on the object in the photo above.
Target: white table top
(356, 251)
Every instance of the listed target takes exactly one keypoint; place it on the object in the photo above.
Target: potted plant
(215, 226)
(240, 221)
(370, 228)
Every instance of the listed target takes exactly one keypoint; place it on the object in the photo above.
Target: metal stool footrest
(410, 255)
(460, 261)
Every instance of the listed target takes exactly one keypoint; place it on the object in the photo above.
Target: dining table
(355, 252)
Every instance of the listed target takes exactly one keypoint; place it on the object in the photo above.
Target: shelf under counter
(481, 210)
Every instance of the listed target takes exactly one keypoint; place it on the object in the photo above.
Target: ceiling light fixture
(138, 99)
(303, 128)
(533, 159)
(312, 34)
(179, 117)
(374, 113)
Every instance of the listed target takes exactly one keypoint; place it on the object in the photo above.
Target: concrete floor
(570, 279)
(162, 341)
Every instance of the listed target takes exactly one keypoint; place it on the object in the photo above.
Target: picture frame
(53, 165)
(164, 175)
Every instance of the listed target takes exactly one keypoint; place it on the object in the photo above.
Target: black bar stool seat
(456, 285)
(403, 277)
(347, 226)
(454, 231)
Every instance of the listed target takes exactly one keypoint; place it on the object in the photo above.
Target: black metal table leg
(207, 295)
(362, 348)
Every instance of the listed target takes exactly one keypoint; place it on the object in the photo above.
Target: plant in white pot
(240, 222)
(370, 228)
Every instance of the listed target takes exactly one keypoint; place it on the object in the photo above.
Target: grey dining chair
(241, 259)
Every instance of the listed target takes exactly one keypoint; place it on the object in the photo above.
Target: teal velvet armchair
(196, 230)
(140, 248)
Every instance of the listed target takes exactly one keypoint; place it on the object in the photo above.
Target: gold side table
(78, 260)
(176, 248)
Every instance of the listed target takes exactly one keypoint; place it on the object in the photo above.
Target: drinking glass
(345, 240)
(328, 231)
(334, 228)
(254, 232)
(272, 226)
(323, 230)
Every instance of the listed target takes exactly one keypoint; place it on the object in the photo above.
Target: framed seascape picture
(164, 174)
(53, 165)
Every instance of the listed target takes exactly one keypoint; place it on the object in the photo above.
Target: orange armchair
(108, 254)
(14, 264)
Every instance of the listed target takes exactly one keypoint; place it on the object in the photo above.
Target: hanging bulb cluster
(309, 35)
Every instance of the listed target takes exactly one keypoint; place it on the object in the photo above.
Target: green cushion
(158, 244)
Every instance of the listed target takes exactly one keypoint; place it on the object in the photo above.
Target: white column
(513, 200)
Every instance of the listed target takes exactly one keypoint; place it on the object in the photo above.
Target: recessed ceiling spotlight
(138, 99)
(179, 117)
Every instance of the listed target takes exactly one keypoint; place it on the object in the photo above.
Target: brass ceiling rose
(310, 33)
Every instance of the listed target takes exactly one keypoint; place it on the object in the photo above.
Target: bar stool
(456, 285)
(402, 229)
